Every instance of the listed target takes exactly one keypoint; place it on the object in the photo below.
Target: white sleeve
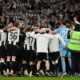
(33, 35)
(77, 22)
(51, 36)
(62, 40)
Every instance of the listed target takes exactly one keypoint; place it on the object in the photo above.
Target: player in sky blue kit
(64, 52)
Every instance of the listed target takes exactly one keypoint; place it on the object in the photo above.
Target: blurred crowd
(47, 13)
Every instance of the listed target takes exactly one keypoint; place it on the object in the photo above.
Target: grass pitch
(39, 78)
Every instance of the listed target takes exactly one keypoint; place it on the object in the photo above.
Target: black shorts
(20, 53)
(42, 56)
(54, 55)
(29, 55)
(11, 50)
(2, 51)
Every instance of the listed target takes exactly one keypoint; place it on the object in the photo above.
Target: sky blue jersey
(63, 32)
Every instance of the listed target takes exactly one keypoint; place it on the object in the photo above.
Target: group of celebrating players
(33, 50)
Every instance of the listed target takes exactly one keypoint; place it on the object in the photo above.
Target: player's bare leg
(38, 68)
(47, 64)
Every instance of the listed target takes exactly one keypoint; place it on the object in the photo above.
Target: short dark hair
(16, 24)
(28, 29)
(63, 22)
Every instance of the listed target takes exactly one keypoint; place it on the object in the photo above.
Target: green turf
(38, 78)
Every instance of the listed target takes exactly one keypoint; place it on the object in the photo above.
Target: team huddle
(33, 51)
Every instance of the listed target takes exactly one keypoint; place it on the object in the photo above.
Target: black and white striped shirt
(13, 36)
(29, 43)
(2, 37)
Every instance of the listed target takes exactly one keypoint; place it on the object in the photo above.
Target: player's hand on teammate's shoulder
(12, 28)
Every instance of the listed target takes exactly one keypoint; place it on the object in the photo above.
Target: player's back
(63, 31)
(42, 42)
(54, 43)
(13, 36)
(29, 41)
